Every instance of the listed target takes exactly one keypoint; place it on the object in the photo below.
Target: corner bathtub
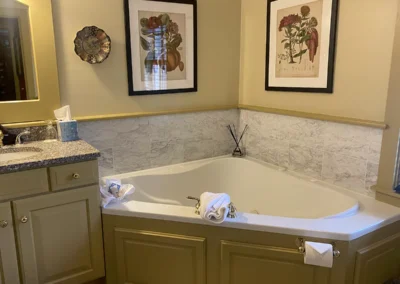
(268, 198)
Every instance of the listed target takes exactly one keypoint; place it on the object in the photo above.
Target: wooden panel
(62, 177)
(154, 258)
(245, 263)
(24, 183)
(62, 240)
(8, 254)
(378, 262)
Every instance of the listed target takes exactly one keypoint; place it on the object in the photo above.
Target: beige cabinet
(155, 258)
(249, 263)
(59, 237)
(50, 226)
(8, 255)
(378, 262)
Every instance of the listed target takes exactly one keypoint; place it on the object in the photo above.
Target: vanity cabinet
(59, 236)
(8, 253)
(57, 232)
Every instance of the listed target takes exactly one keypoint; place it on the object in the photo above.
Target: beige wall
(103, 89)
(364, 50)
(391, 135)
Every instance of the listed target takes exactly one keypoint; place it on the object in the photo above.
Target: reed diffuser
(238, 152)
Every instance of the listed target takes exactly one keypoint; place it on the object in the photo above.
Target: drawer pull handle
(24, 219)
(3, 223)
(76, 176)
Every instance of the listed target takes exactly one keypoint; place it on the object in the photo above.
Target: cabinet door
(378, 262)
(60, 237)
(8, 254)
(246, 263)
(155, 258)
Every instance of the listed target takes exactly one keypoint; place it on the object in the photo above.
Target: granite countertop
(49, 154)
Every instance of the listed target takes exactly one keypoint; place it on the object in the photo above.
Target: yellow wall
(103, 89)
(364, 50)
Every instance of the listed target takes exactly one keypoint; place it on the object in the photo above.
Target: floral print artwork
(298, 40)
(162, 45)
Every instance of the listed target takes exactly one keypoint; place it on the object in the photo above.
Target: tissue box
(67, 130)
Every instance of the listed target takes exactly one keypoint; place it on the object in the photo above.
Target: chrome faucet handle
(1, 138)
(232, 211)
(197, 212)
(18, 139)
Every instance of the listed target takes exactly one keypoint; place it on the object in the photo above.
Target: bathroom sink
(15, 153)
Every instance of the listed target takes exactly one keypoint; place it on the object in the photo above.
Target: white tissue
(63, 114)
(318, 254)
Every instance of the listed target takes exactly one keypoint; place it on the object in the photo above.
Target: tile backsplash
(345, 155)
(146, 142)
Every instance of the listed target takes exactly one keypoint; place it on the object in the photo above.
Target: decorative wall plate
(92, 45)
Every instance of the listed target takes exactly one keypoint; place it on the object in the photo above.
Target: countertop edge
(49, 163)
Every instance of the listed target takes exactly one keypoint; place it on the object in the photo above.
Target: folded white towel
(214, 206)
(112, 190)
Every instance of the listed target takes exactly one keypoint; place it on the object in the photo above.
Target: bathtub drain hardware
(238, 152)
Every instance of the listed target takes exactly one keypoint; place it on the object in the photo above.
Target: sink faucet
(1, 138)
(18, 139)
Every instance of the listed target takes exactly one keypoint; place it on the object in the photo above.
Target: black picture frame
(129, 51)
(331, 60)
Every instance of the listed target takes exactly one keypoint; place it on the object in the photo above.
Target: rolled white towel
(214, 206)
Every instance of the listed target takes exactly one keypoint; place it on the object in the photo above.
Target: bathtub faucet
(232, 211)
(197, 212)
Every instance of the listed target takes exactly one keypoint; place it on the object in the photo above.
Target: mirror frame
(45, 69)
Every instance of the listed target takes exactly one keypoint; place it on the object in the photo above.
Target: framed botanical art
(161, 46)
(301, 38)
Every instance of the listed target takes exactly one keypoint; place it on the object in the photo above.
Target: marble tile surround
(345, 155)
(140, 143)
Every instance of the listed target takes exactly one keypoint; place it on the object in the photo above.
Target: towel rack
(302, 248)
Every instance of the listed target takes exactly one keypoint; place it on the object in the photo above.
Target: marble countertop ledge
(50, 154)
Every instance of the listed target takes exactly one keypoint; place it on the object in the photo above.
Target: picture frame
(301, 43)
(161, 46)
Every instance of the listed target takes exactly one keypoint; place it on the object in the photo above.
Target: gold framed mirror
(29, 88)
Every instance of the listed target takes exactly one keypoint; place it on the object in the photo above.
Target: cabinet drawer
(19, 184)
(73, 175)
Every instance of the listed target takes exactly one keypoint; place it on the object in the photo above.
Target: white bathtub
(268, 198)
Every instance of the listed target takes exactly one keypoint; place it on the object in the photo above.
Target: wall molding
(338, 119)
(155, 113)
(124, 115)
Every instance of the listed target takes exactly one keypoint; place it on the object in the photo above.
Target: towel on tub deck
(112, 190)
(214, 207)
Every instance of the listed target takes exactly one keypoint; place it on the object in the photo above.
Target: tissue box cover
(68, 130)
